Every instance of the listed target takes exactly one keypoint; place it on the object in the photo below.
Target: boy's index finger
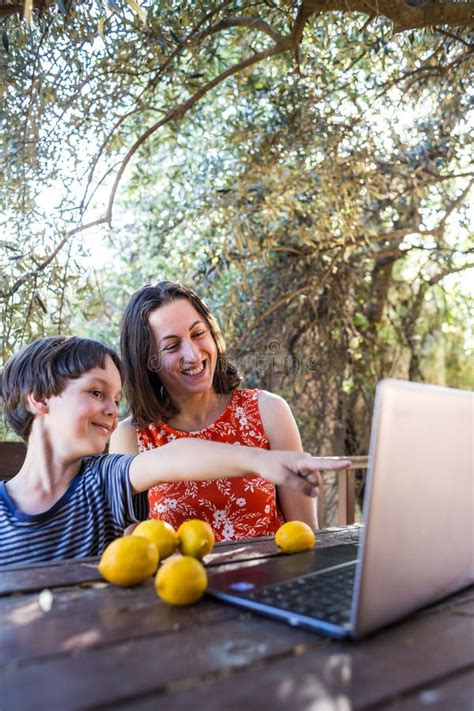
(330, 463)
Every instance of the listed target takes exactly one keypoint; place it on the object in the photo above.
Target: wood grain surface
(100, 645)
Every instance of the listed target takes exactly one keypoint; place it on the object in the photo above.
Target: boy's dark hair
(42, 369)
(147, 397)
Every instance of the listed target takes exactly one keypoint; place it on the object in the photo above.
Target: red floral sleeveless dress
(242, 507)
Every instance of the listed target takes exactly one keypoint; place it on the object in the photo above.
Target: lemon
(129, 560)
(181, 581)
(294, 537)
(196, 538)
(161, 533)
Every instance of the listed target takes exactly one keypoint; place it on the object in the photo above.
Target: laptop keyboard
(326, 596)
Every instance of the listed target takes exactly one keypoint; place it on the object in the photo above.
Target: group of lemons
(181, 580)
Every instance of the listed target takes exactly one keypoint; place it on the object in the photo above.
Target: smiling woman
(180, 383)
(186, 351)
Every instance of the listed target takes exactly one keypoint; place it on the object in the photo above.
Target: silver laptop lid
(417, 545)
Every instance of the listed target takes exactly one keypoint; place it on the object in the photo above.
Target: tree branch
(449, 270)
(458, 201)
(283, 44)
(179, 111)
(399, 234)
(454, 37)
(42, 266)
(34, 272)
(16, 7)
(12, 8)
(404, 14)
(253, 22)
(190, 39)
(289, 297)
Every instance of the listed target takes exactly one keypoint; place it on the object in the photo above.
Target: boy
(61, 396)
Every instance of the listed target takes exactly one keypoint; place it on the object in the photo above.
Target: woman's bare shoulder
(126, 424)
(268, 400)
(124, 439)
(278, 421)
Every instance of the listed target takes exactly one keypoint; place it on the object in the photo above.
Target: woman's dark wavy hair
(42, 369)
(147, 397)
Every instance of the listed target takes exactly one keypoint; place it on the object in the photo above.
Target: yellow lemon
(181, 581)
(161, 533)
(129, 560)
(196, 538)
(294, 537)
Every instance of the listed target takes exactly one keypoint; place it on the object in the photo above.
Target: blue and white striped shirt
(94, 510)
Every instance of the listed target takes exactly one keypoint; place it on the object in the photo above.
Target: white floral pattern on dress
(237, 508)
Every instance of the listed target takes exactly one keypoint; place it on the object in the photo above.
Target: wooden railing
(12, 455)
(346, 491)
(346, 500)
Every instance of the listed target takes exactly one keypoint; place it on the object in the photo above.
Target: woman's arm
(282, 432)
(124, 439)
(199, 460)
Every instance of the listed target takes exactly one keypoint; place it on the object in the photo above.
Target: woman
(179, 383)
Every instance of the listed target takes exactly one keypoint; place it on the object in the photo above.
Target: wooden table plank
(453, 694)
(105, 646)
(377, 673)
(36, 577)
(95, 613)
(106, 674)
(85, 618)
(39, 576)
(272, 657)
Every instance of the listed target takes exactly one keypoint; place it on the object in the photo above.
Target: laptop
(416, 543)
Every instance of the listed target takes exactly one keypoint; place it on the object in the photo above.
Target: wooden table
(100, 645)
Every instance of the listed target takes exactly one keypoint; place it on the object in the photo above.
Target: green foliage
(318, 199)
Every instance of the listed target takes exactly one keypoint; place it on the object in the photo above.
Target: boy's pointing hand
(299, 470)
